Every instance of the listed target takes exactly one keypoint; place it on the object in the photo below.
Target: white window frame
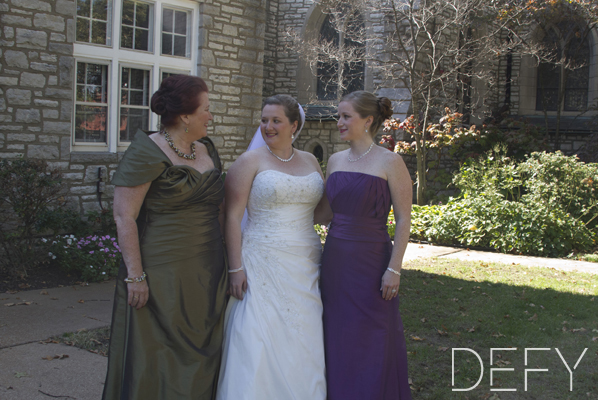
(115, 57)
(189, 30)
(109, 26)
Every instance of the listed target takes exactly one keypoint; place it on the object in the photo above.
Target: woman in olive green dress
(171, 290)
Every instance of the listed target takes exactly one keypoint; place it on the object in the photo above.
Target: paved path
(37, 315)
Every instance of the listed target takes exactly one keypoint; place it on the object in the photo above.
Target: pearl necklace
(177, 151)
(282, 159)
(361, 156)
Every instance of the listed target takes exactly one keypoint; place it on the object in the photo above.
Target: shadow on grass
(448, 304)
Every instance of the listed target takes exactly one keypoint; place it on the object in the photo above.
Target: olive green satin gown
(170, 349)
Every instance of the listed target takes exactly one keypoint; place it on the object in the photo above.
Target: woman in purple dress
(366, 357)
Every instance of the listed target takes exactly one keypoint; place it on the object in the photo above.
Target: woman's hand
(138, 294)
(238, 284)
(390, 285)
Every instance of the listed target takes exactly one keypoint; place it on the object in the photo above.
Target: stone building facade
(49, 51)
(39, 57)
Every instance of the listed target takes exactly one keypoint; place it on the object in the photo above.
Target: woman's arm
(237, 186)
(323, 213)
(401, 193)
(127, 203)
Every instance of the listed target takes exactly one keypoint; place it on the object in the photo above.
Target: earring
(292, 137)
(366, 130)
(187, 130)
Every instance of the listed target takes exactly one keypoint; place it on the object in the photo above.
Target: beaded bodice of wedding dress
(277, 327)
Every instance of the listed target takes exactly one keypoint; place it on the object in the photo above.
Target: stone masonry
(37, 78)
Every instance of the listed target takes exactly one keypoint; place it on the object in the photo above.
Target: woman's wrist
(396, 271)
(136, 278)
(232, 271)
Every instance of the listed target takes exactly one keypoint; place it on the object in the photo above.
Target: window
(93, 24)
(91, 102)
(572, 94)
(174, 32)
(115, 81)
(134, 105)
(136, 25)
(344, 65)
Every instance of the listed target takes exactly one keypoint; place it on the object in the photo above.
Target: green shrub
(93, 258)
(562, 182)
(507, 226)
(28, 190)
(545, 206)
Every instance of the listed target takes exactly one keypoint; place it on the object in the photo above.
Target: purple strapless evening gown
(366, 356)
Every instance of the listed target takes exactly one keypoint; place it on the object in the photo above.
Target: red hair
(178, 95)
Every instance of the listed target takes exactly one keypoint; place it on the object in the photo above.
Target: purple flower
(91, 252)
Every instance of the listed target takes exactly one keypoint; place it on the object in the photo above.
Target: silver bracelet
(136, 280)
(232, 271)
(393, 271)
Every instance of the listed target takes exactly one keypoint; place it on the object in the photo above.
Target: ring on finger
(393, 290)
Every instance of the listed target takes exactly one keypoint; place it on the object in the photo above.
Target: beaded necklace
(176, 149)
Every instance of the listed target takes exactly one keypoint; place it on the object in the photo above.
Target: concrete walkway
(28, 318)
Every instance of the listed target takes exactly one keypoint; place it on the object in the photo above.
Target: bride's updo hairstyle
(290, 105)
(366, 104)
(178, 95)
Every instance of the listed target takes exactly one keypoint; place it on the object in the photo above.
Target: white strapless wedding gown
(273, 342)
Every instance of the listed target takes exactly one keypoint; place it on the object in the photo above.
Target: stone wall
(232, 57)
(36, 67)
(37, 77)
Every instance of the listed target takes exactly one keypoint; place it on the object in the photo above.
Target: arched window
(341, 69)
(563, 84)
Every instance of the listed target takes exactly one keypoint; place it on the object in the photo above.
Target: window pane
(134, 92)
(180, 46)
(90, 124)
(96, 74)
(82, 30)
(132, 119)
(167, 17)
(136, 98)
(180, 25)
(128, 12)
(80, 72)
(166, 44)
(100, 10)
(142, 15)
(98, 32)
(83, 8)
(139, 78)
(141, 39)
(547, 93)
(126, 39)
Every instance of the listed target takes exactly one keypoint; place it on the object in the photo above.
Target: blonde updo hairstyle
(366, 104)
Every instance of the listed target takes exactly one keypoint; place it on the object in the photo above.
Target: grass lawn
(94, 340)
(448, 304)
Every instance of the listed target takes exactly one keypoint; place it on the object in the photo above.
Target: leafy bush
(560, 181)
(545, 206)
(93, 258)
(507, 226)
(28, 190)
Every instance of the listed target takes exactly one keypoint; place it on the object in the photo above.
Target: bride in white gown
(273, 344)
